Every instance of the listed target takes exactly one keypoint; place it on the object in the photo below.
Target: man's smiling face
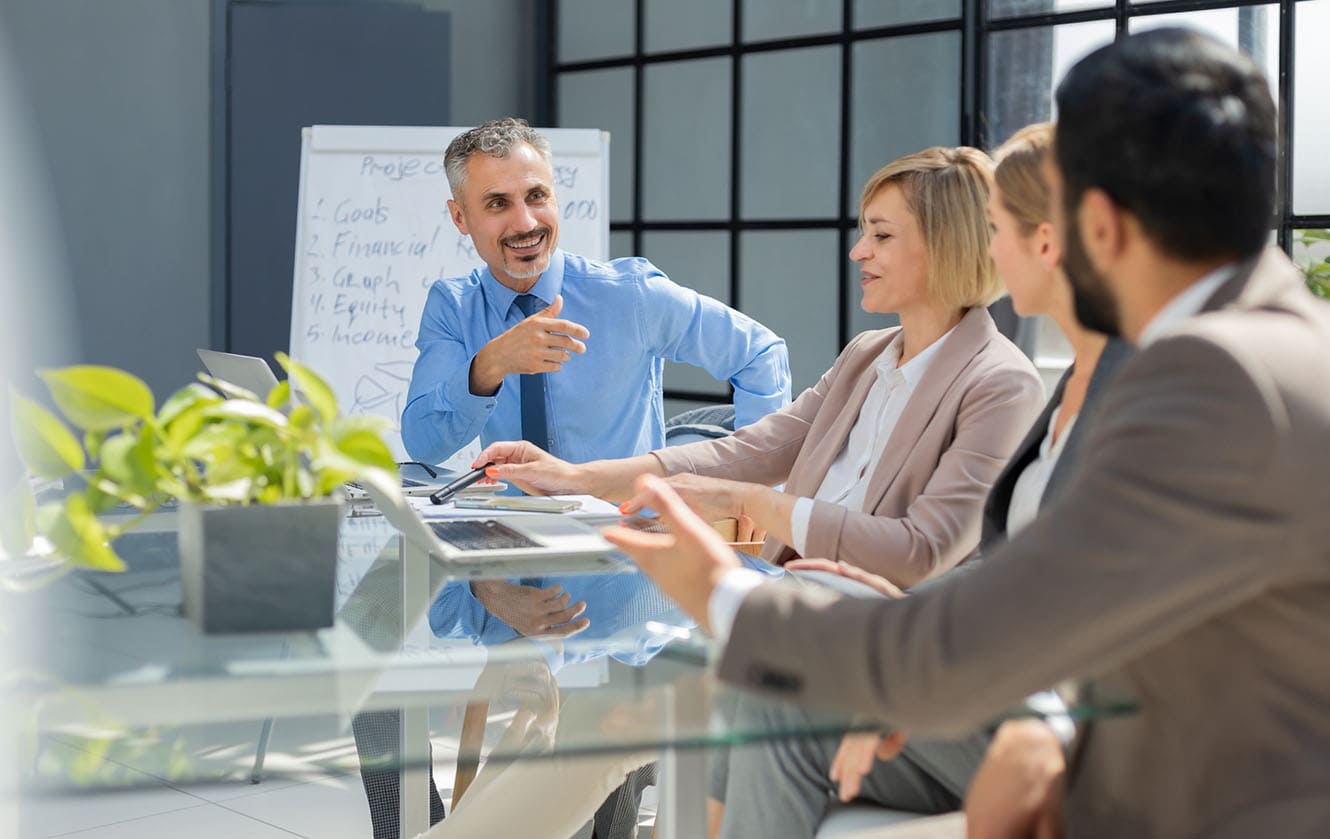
(509, 209)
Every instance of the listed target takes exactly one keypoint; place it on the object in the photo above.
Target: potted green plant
(258, 483)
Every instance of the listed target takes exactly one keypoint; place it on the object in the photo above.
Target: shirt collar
(913, 370)
(1185, 304)
(548, 286)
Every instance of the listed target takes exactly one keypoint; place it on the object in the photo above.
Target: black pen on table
(446, 492)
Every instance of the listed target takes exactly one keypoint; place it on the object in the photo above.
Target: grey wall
(494, 58)
(120, 94)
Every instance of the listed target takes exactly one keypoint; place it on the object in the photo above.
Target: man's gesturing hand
(539, 344)
(688, 562)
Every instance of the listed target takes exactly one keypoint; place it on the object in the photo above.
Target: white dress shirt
(846, 481)
(1184, 305)
(728, 596)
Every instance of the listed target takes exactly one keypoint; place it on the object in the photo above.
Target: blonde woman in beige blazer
(893, 485)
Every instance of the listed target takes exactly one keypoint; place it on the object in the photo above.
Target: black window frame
(974, 25)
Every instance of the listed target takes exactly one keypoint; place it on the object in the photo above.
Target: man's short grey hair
(495, 138)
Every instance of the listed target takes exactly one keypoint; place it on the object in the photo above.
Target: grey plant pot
(260, 568)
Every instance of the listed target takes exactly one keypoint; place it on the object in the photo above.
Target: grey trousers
(782, 788)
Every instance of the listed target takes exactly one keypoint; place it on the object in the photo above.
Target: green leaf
(102, 495)
(92, 441)
(214, 442)
(255, 413)
(129, 466)
(229, 390)
(189, 396)
(18, 522)
(77, 535)
(184, 425)
(1312, 234)
(231, 492)
(118, 458)
(44, 444)
(99, 398)
(311, 386)
(302, 417)
(366, 448)
(280, 395)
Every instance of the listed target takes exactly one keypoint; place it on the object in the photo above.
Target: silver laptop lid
(250, 372)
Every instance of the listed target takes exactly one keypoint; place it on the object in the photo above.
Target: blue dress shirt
(605, 403)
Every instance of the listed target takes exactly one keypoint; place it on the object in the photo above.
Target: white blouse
(846, 481)
(1029, 489)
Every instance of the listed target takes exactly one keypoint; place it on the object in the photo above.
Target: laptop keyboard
(470, 535)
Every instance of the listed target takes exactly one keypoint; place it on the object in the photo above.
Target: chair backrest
(705, 423)
(1023, 332)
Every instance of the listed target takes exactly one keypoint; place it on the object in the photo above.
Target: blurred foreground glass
(33, 331)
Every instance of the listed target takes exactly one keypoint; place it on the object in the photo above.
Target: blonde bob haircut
(1024, 192)
(946, 190)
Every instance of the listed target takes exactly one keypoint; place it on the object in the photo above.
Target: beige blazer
(926, 494)
(1186, 562)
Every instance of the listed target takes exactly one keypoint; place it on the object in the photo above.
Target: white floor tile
(207, 821)
(57, 815)
(331, 808)
(69, 809)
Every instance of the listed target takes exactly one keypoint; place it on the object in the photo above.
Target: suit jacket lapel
(974, 331)
(999, 497)
(811, 467)
(806, 478)
(1116, 351)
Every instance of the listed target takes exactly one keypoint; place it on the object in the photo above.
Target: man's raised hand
(541, 343)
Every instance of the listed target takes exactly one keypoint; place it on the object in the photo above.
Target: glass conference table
(114, 676)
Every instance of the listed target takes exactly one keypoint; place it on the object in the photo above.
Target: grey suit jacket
(1187, 561)
(926, 493)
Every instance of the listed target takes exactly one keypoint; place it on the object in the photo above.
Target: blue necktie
(534, 429)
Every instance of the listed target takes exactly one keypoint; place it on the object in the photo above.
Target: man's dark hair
(1179, 129)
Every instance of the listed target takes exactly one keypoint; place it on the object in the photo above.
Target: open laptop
(250, 372)
(521, 538)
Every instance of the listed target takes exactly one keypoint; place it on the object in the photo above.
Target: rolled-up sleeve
(442, 414)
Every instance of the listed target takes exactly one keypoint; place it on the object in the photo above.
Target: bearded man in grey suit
(1187, 561)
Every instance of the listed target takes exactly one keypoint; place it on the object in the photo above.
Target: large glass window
(743, 130)
(1311, 110)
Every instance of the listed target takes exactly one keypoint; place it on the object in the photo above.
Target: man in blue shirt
(514, 326)
(497, 361)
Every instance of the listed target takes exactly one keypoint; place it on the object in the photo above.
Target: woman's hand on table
(530, 468)
(712, 499)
